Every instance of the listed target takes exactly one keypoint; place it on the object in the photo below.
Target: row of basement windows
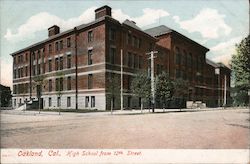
(89, 101)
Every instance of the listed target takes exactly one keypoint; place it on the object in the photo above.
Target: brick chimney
(53, 30)
(102, 11)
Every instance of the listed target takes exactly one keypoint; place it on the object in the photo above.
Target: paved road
(202, 129)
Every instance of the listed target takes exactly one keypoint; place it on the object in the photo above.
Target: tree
(164, 88)
(141, 87)
(59, 88)
(113, 89)
(5, 96)
(241, 71)
(180, 91)
(39, 83)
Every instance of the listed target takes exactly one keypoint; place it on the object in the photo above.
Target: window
(92, 101)
(33, 56)
(90, 80)
(58, 101)
(68, 101)
(14, 89)
(112, 55)
(26, 57)
(90, 36)
(132, 60)
(26, 71)
(50, 48)
(50, 85)
(124, 59)
(21, 58)
(129, 82)
(61, 63)
(49, 101)
(61, 84)
(69, 83)
(14, 74)
(57, 46)
(39, 54)
(129, 59)
(140, 62)
(135, 61)
(112, 34)
(57, 84)
(38, 69)
(34, 70)
(129, 39)
(87, 101)
(68, 42)
(134, 41)
(69, 61)
(89, 57)
(177, 56)
(44, 67)
(56, 63)
(61, 44)
(22, 72)
(14, 102)
(139, 43)
(50, 65)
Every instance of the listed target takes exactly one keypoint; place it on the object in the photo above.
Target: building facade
(76, 64)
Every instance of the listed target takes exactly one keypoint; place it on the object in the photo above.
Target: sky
(216, 24)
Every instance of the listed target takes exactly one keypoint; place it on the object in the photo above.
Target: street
(211, 129)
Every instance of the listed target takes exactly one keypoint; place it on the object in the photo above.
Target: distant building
(91, 53)
(5, 96)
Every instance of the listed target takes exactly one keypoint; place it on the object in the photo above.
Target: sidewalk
(115, 112)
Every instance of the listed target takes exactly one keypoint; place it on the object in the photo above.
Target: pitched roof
(82, 26)
(210, 62)
(131, 24)
(159, 30)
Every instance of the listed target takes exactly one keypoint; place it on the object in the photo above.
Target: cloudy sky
(216, 24)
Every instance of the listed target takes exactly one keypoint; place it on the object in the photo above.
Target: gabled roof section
(131, 24)
(80, 27)
(210, 62)
(159, 30)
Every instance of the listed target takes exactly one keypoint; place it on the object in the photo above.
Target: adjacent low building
(76, 64)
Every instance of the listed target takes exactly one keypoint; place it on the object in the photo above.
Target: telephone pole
(152, 77)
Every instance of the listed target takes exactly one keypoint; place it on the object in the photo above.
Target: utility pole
(121, 79)
(225, 90)
(76, 65)
(152, 77)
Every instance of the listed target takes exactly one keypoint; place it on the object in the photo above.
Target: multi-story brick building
(78, 63)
